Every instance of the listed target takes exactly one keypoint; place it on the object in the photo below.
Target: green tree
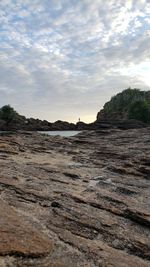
(7, 113)
(140, 110)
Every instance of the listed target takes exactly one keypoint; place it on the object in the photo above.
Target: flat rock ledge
(82, 201)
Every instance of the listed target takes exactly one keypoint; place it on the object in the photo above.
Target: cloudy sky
(63, 59)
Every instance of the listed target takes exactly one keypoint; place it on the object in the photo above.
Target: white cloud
(63, 59)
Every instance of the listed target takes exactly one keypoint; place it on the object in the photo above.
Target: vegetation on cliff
(129, 104)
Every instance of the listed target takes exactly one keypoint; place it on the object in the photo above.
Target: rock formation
(78, 201)
(127, 106)
(128, 109)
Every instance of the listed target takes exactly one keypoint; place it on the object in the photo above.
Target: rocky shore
(79, 201)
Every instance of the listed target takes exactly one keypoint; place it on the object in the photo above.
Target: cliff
(130, 104)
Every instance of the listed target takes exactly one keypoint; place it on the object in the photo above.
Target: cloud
(63, 59)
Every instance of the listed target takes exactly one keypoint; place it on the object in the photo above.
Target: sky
(63, 59)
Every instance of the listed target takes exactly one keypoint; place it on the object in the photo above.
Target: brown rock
(90, 194)
(18, 237)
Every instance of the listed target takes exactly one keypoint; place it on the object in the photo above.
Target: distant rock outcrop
(130, 104)
(11, 120)
(63, 126)
(128, 109)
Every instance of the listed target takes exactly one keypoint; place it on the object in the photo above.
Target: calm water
(61, 133)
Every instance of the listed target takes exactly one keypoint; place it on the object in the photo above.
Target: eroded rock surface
(79, 201)
(18, 237)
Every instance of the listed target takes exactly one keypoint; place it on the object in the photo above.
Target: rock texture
(18, 237)
(78, 201)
